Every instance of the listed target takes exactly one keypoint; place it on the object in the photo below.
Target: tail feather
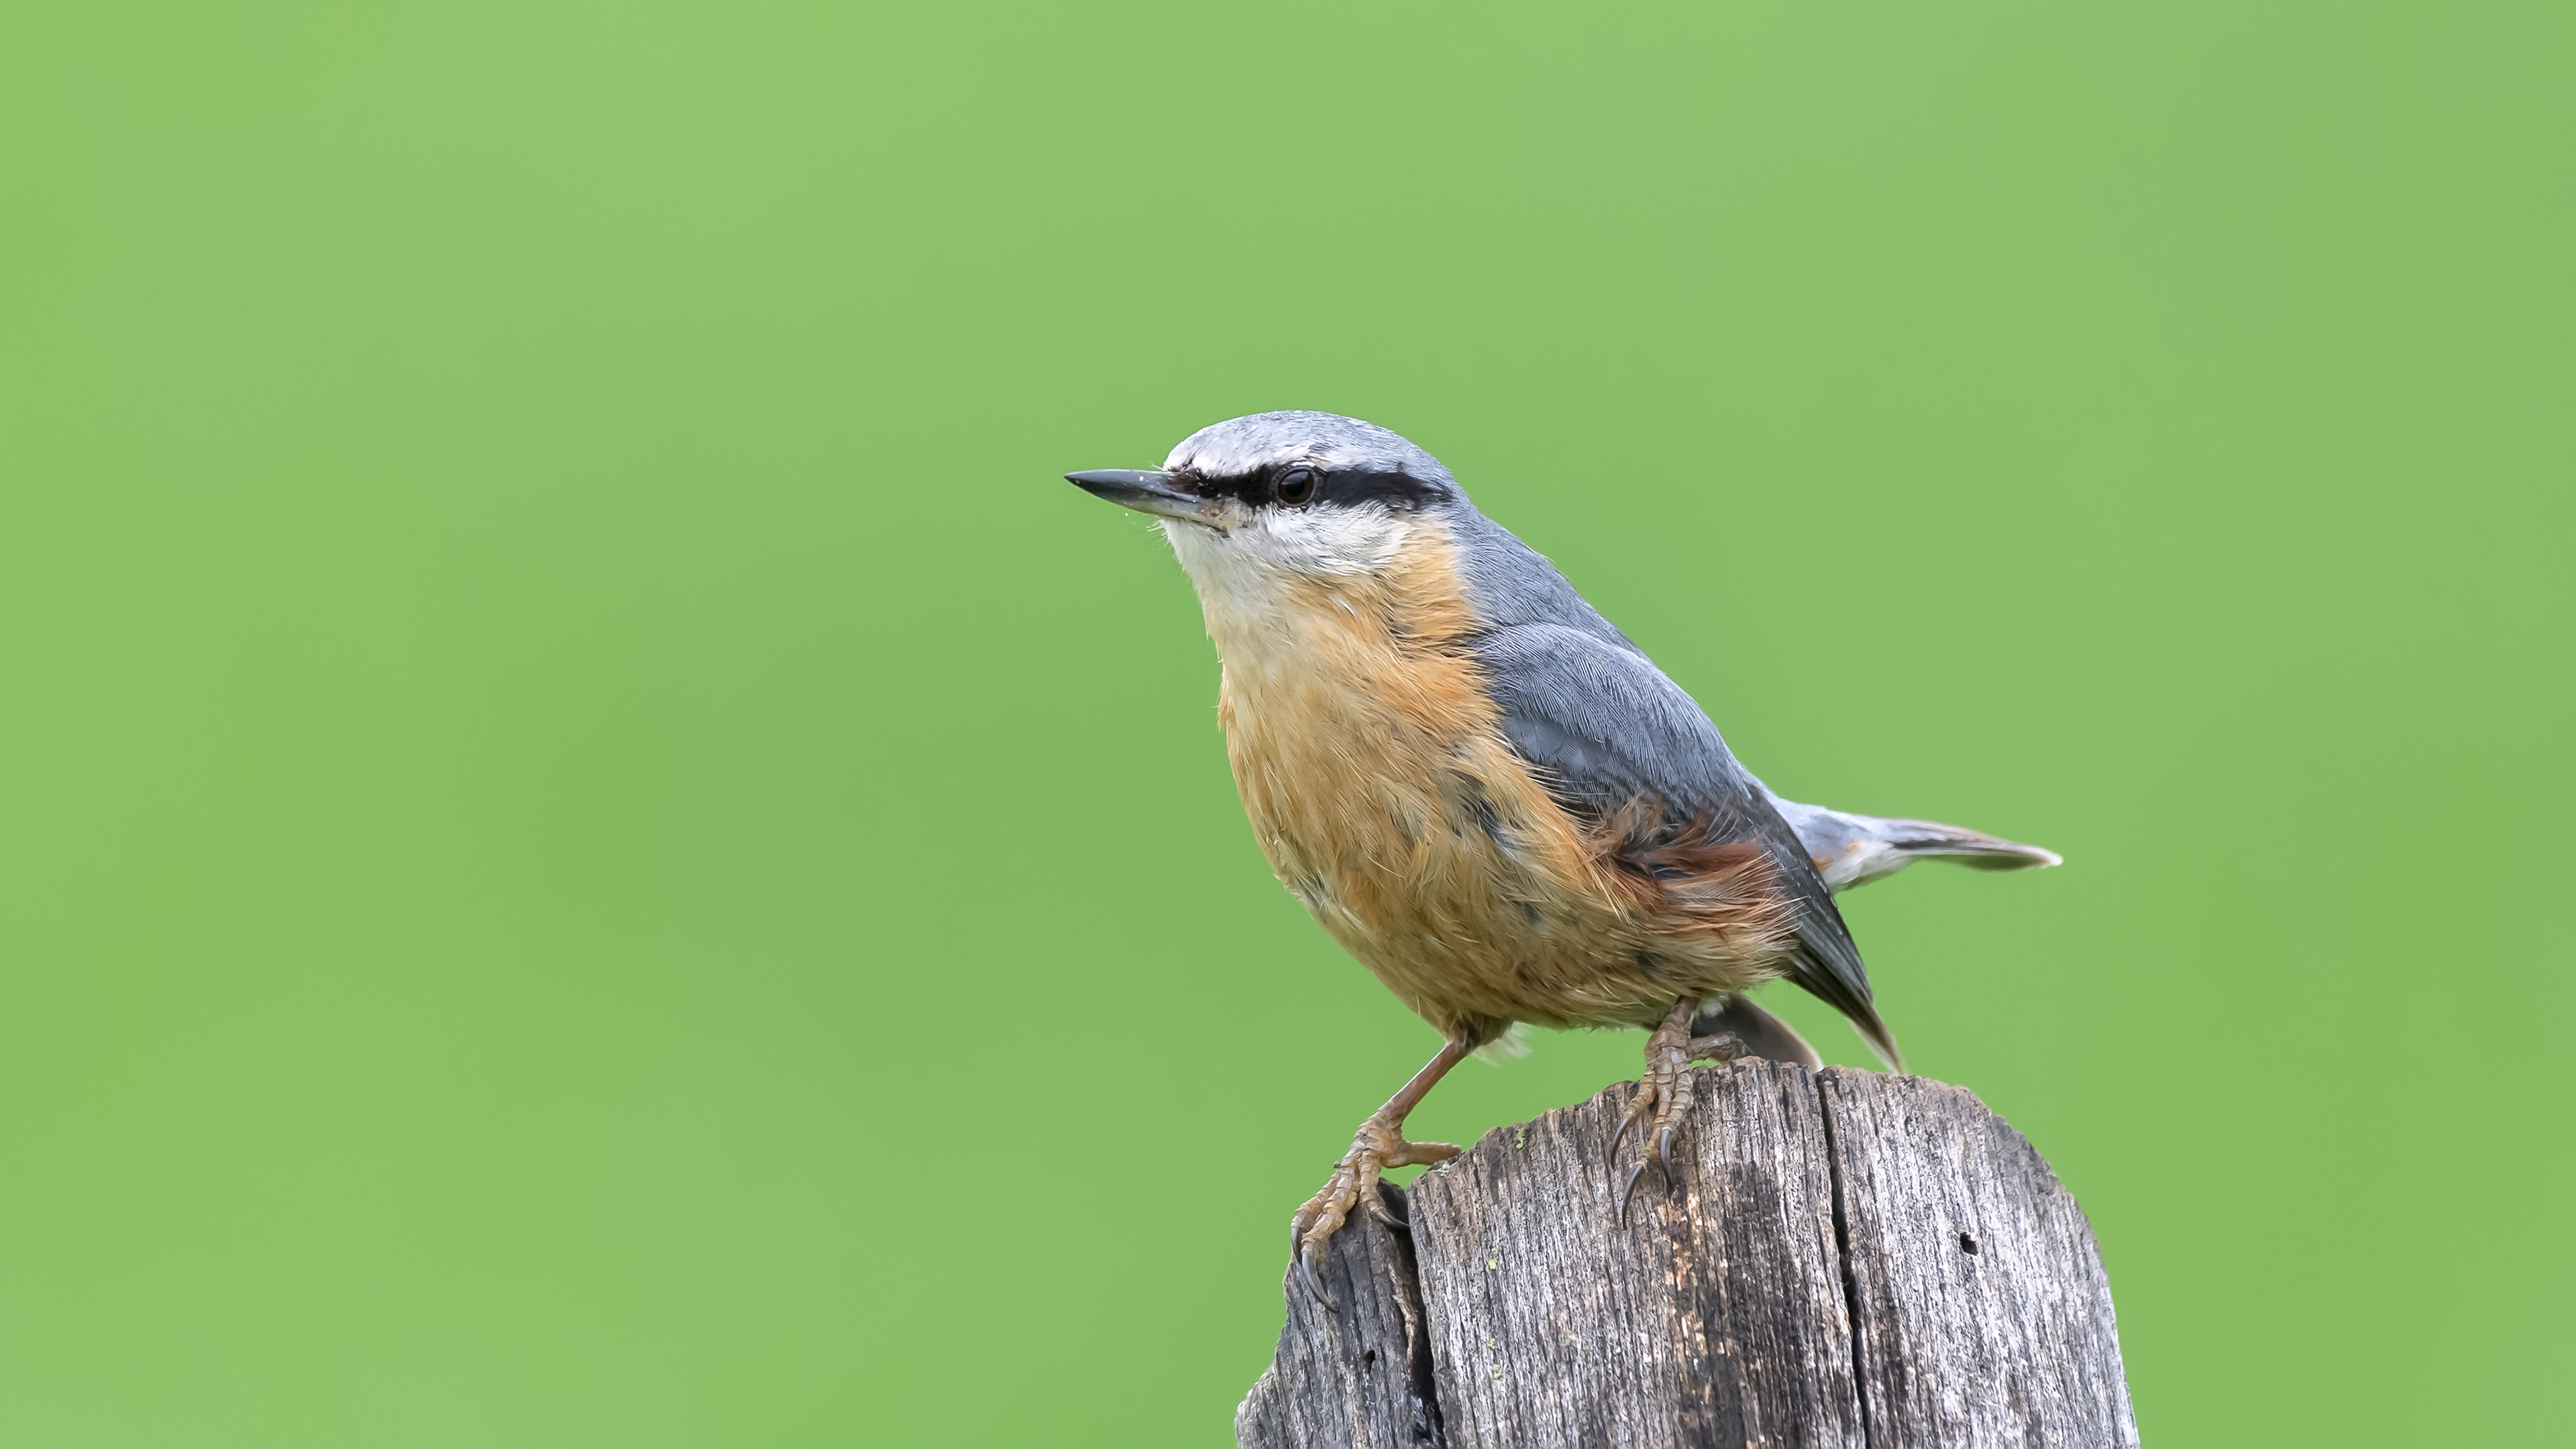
(1851, 850)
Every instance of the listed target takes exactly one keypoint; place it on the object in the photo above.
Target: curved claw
(1664, 1155)
(1378, 1211)
(1637, 1119)
(1306, 1274)
(1634, 1174)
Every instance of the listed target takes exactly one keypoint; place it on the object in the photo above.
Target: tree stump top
(1845, 1258)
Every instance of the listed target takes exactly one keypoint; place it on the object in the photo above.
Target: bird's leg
(1378, 1146)
(1664, 1092)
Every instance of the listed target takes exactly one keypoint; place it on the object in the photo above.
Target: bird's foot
(1379, 1145)
(1664, 1092)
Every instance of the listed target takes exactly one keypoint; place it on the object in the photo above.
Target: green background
(594, 851)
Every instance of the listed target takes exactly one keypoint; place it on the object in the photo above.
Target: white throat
(1255, 577)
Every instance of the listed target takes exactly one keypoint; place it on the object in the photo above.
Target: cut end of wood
(1843, 1258)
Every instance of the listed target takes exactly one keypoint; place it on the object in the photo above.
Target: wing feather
(1605, 729)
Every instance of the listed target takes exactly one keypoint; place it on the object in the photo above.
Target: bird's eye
(1296, 485)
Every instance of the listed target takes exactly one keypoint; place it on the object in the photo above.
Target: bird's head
(1255, 502)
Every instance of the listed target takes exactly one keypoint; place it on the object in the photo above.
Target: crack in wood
(1842, 1248)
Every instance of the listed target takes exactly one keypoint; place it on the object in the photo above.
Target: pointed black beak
(1142, 489)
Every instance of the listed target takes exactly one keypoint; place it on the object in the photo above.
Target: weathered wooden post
(1848, 1259)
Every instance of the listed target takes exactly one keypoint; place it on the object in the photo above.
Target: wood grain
(1984, 1313)
(1809, 1279)
(1360, 1376)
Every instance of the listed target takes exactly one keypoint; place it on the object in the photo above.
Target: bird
(1488, 794)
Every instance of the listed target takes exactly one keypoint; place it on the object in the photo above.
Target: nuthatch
(1485, 792)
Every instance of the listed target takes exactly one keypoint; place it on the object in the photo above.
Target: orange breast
(1372, 763)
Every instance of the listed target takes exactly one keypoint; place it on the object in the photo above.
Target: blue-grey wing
(1604, 729)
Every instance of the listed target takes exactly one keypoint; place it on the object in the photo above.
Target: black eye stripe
(1399, 490)
(1264, 486)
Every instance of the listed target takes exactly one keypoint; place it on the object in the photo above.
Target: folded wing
(1608, 732)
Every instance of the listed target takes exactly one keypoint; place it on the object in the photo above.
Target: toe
(1641, 1106)
(1420, 1154)
(1721, 1047)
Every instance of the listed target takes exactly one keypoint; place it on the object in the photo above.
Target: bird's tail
(1852, 850)
(1885, 846)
